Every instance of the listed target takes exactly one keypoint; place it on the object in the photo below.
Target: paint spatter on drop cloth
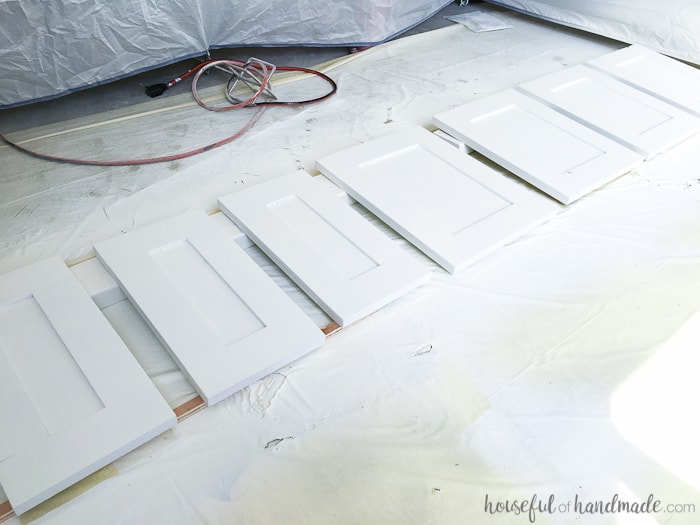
(274, 442)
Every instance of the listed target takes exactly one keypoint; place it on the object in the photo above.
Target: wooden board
(449, 205)
(336, 256)
(636, 119)
(68, 387)
(656, 74)
(6, 511)
(221, 317)
(554, 153)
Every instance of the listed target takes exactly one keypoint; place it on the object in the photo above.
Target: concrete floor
(130, 90)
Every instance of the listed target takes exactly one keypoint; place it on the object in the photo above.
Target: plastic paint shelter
(52, 49)
(49, 50)
(560, 365)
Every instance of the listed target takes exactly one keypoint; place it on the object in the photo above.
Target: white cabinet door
(554, 153)
(634, 118)
(221, 317)
(658, 75)
(73, 398)
(451, 206)
(336, 256)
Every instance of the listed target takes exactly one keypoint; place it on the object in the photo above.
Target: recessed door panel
(221, 317)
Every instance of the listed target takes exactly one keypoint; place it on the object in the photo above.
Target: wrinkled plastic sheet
(671, 27)
(52, 48)
(562, 364)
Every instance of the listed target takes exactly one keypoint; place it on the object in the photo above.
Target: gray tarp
(671, 27)
(51, 48)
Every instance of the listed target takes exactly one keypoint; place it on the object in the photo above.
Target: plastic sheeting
(562, 364)
(51, 48)
(671, 27)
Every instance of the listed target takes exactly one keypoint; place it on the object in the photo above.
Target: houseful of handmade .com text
(535, 505)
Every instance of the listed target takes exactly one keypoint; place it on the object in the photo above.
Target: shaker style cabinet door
(636, 119)
(554, 153)
(224, 321)
(334, 254)
(449, 205)
(72, 396)
(656, 74)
